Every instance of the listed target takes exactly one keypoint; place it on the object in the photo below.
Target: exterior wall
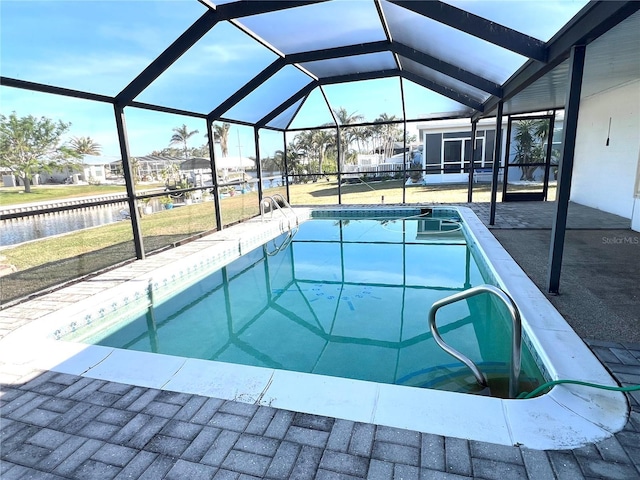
(635, 220)
(432, 135)
(604, 177)
(635, 217)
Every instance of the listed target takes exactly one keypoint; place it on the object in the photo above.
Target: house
(447, 144)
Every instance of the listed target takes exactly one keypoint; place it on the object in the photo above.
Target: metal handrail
(279, 196)
(273, 200)
(516, 339)
(287, 241)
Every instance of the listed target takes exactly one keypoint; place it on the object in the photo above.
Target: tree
(388, 134)
(314, 145)
(181, 135)
(202, 151)
(30, 145)
(345, 118)
(294, 164)
(529, 137)
(323, 140)
(221, 134)
(170, 173)
(85, 146)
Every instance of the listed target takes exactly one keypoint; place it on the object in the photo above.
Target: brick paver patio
(63, 426)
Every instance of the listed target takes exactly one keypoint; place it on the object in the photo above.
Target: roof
(292, 64)
(98, 159)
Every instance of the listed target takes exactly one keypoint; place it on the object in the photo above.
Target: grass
(390, 191)
(158, 230)
(49, 193)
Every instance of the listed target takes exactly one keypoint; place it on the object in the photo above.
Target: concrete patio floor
(57, 425)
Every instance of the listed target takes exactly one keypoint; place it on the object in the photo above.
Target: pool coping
(567, 417)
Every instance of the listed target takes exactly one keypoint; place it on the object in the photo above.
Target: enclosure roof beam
(163, 61)
(41, 87)
(247, 88)
(480, 27)
(598, 19)
(387, 31)
(338, 52)
(354, 77)
(160, 108)
(447, 92)
(247, 8)
(235, 121)
(447, 68)
(310, 56)
(358, 77)
(194, 33)
(303, 92)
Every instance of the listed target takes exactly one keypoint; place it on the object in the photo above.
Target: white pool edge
(567, 417)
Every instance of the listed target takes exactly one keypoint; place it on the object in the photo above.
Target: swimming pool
(342, 297)
(565, 417)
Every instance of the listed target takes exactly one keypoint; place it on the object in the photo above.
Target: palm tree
(322, 140)
(389, 133)
(529, 137)
(294, 166)
(181, 135)
(345, 118)
(303, 147)
(221, 134)
(85, 146)
(362, 136)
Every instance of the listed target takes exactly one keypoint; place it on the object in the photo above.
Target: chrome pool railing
(516, 338)
(276, 200)
(285, 243)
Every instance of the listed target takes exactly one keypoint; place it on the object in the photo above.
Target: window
(454, 150)
(452, 154)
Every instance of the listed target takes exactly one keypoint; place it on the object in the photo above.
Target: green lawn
(48, 193)
(390, 191)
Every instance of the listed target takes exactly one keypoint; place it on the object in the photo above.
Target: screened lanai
(324, 102)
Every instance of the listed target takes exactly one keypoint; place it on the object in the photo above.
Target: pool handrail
(516, 339)
(289, 238)
(273, 200)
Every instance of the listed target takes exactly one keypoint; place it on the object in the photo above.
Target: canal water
(22, 230)
(16, 231)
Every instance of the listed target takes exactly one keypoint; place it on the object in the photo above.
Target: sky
(100, 46)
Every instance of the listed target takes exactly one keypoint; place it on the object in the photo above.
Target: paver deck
(56, 425)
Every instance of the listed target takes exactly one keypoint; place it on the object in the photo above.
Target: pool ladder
(276, 199)
(516, 338)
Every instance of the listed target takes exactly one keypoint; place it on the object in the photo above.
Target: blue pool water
(343, 297)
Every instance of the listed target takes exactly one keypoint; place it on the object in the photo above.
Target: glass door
(528, 158)
(452, 157)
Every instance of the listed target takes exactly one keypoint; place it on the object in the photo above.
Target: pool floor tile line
(56, 425)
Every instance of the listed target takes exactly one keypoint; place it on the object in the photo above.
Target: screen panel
(94, 46)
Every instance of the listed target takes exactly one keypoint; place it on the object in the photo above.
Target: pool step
(459, 379)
